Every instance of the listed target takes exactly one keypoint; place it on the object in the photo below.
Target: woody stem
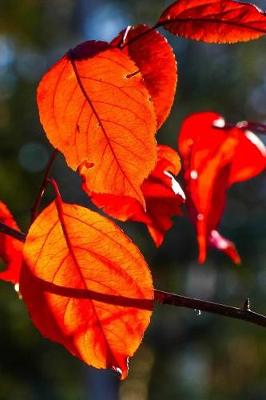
(12, 232)
(37, 202)
(245, 313)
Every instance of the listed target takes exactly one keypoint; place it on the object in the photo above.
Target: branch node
(247, 305)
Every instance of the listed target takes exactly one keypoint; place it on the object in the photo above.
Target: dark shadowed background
(184, 355)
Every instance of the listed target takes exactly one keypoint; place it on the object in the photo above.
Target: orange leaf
(156, 62)
(98, 112)
(10, 248)
(86, 285)
(215, 156)
(214, 21)
(162, 193)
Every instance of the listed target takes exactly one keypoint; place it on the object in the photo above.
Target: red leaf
(214, 21)
(156, 62)
(86, 285)
(10, 248)
(214, 156)
(97, 111)
(246, 167)
(162, 193)
(220, 243)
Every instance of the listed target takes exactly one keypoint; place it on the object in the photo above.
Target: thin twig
(245, 125)
(36, 205)
(12, 232)
(245, 313)
(126, 42)
(256, 126)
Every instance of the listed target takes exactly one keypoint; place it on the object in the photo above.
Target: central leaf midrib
(85, 94)
(214, 21)
(60, 212)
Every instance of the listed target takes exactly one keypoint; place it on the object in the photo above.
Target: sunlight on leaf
(214, 157)
(214, 21)
(86, 285)
(10, 248)
(98, 113)
(156, 60)
(163, 196)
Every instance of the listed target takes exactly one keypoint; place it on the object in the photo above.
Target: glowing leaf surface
(156, 62)
(215, 156)
(86, 285)
(10, 248)
(162, 193)
(97, 112)
(214, 21)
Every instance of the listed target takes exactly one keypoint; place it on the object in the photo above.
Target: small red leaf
(10, 248)
(156, 62)
(162, 193)
(246, 167)
(217, 241)
(214, 21)
(97, 112)
(215, 156)
(86, 285)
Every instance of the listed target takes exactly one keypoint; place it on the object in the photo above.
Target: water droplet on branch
(198, 312)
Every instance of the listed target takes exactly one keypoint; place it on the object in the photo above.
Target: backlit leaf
(215, 156)
(246, 167)
(217, 241)
(156, 62)
(10, 248)
(98, 112)
(86, 285)
(162, 193)
(214, 21)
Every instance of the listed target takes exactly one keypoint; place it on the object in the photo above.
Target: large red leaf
(10, 248)
(97, 111)
(246, 167)
(156, 62)
(214, 21)
(86, 285)
(215, 156)
(162, 194)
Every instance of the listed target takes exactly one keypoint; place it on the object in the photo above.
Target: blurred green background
(184, 355)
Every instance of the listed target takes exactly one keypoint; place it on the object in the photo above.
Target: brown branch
(245, 125)
(163, 24)
(245, 313)
(125, 43)
(12, 232)
(255, 126)
(37, 202)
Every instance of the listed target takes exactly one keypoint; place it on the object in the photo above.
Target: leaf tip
(122, 370)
